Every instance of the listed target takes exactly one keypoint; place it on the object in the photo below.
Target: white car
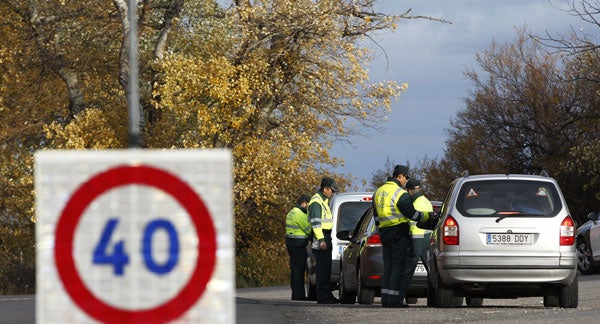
(588, 245)
(346, 209)
(503, 236)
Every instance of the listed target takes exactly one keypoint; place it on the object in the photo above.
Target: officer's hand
(430, 223)
(323, 245)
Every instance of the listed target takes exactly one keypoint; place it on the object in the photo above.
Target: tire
(569, 296)
(430, 294)
(551, 300)
(457, 301)
(474, 301)
(311, 288)
(444, 296)
(346, 296)
(366, 294)
(412, 300)
(584, 258)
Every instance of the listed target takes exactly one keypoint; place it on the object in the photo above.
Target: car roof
(505, 177)
(351, 196)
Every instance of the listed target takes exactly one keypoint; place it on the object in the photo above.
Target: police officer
(297, 231)
(321, 221)
(420, 236)
(393, 211)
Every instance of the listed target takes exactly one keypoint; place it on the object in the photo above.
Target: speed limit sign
(134, 236)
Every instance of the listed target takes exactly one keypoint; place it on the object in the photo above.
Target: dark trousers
(297, 251)
(323, 258)
(394, 282)
(418, 251)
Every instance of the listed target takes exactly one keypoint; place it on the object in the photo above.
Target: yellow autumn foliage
(274, 81)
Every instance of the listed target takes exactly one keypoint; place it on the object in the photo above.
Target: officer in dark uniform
(297, 231)
(393, 211)
(321, 221)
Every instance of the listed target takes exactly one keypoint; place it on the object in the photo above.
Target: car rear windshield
(508, 197)
(349, 214)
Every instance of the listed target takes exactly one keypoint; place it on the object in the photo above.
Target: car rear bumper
(527, 275)
(507, 268)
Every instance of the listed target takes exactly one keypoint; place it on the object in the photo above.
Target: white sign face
(134, 236)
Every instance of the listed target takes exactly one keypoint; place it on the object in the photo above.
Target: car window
(367, 223)
(508, 197)
(349, 214)
(443, 209)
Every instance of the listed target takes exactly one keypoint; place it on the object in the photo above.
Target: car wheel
(551, 300)
(584, 258)
(346, 296)
(569, 295)
(457, 301)
(474, 301)
(444, 296)
(412, 300)
(311, 286)
(366, 294)
(430, 294)
(311, 290)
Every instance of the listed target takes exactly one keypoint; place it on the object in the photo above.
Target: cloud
(432, 57)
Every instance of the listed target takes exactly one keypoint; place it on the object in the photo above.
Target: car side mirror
(344, 235)
(593, 216)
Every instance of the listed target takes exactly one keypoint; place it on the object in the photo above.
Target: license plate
(509, 239)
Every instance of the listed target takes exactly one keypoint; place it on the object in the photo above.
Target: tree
(582, 49)
(273, 81)
(522, 116)
(276, 93)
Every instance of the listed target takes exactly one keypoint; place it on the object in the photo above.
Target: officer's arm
(407, 209)
(375, 216)
(302, 221)
(314, 213)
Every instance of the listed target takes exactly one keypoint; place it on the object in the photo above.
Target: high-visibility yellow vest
(323, 221)
(386, 199)
(296, 224)
(421, 204)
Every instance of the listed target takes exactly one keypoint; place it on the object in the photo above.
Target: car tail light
(450, 231)
(374, 240)
(567, 231)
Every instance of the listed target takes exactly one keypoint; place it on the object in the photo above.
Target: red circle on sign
(134, 175)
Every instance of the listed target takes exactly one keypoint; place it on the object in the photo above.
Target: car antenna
(465, 174)
(544, 173)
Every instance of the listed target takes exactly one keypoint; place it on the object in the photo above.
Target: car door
(595, 239)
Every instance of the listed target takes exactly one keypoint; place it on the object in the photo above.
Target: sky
(432, 58)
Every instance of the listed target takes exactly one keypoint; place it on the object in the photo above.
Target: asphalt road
(17, 309)
(273, 305)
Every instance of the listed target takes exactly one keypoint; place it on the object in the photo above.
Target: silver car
(503, 236)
